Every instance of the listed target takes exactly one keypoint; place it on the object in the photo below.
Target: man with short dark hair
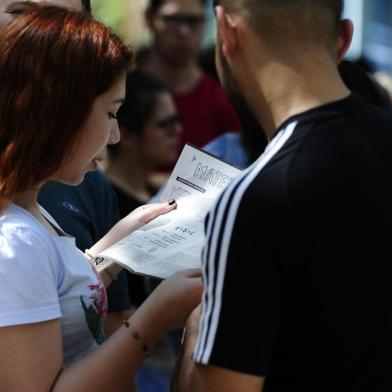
(297, 287)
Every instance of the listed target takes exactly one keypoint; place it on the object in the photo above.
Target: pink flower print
(99, 299)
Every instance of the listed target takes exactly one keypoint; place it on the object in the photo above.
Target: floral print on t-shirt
(95, 310)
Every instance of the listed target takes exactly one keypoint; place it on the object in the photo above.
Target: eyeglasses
(174, 21)
(169, 124)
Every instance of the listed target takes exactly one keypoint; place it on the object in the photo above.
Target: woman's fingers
(148, 212)
(144, 214)
(190, 273)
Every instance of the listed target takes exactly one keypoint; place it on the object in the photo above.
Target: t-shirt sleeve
(242, 295)
(29, 277)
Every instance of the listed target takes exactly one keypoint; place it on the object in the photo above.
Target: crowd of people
(293, 288)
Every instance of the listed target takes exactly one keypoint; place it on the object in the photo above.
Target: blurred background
(372, 39)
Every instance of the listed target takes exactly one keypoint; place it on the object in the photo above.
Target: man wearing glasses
(177, 29)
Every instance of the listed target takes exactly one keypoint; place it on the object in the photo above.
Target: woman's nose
(115, 135)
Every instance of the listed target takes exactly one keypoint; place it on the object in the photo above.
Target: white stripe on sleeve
(212, 298)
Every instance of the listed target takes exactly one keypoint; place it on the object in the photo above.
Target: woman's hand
(133, 221)
(145, 214)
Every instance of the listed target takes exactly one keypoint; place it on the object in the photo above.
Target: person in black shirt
(295, 266)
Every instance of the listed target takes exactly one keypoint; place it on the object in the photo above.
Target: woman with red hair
(62, 81)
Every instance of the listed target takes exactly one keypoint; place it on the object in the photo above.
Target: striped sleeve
(226, 292)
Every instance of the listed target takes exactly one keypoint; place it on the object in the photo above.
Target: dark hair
(140, 103)
(86, 4)
(53, 64)
(297, 21)
(335, 5)
(155, 4)
(363, 84)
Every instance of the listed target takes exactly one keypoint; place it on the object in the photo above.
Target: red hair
(53, 64)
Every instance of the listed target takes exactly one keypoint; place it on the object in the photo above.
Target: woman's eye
(112, 116)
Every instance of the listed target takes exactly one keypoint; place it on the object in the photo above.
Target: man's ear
(345, 38)
(227, 31)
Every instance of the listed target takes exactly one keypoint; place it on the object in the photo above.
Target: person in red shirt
(177, 30)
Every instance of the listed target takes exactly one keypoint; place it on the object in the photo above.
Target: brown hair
(53, 64)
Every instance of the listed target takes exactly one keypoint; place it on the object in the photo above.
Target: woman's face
(100, 129)
(161, 135)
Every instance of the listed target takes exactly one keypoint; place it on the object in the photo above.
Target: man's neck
(292, 90)
(180, 79)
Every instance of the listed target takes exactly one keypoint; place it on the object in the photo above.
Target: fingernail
(171, 202)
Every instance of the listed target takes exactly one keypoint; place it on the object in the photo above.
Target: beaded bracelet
(136, 335)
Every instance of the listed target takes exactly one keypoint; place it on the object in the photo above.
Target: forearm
(130, 223)
(185, 366)
(114, 320)
(115, 234)
(112, 365)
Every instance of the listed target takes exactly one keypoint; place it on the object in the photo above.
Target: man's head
(78, 5)
(149, 122)
(177, 28)
(297, 22)
(258, 37)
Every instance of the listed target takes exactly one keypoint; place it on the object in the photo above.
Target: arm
(191, 377)
(231, 348)
(34, 352)
(133, 221)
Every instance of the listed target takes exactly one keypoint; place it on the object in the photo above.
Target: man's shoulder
(341, 147)
(337, 126)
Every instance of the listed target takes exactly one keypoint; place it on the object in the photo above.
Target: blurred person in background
(177, 30)
(150, 130)
(385, 80)
(77, 5)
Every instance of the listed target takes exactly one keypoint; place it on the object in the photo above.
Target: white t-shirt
(45, 277)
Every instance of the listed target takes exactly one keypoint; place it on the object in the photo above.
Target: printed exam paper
(174, 241)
